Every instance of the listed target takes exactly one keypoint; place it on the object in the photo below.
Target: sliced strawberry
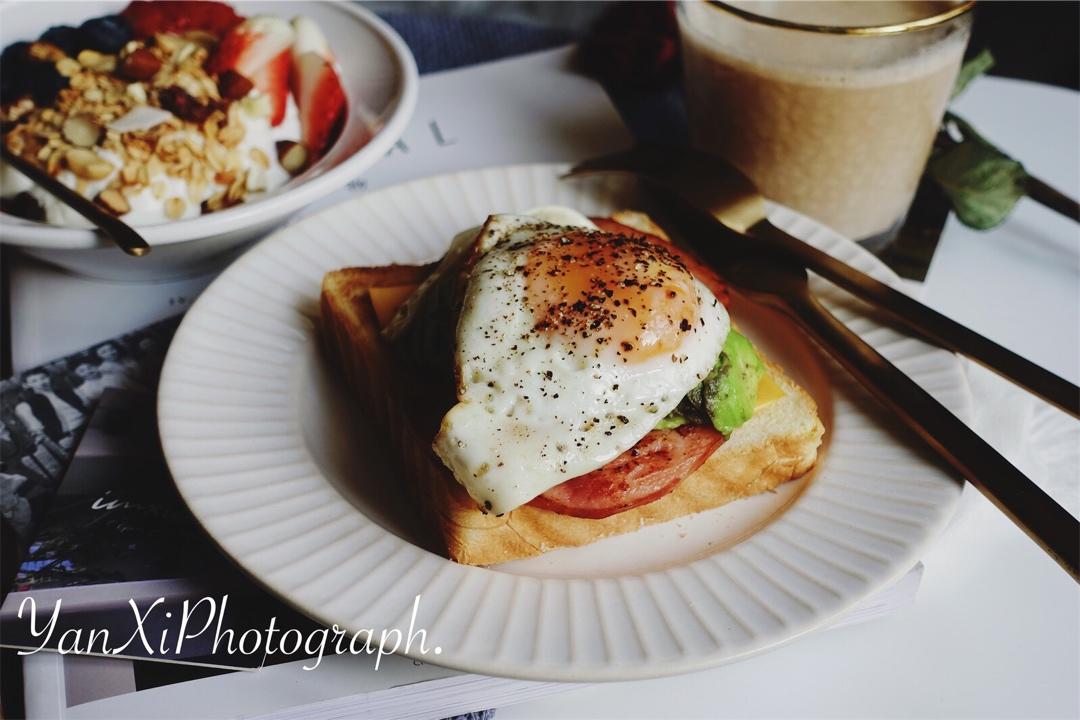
(177, 16)
(272, 79)
(316, 87)
(258, 49)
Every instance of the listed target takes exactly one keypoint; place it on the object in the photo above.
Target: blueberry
(23, 205)
(106, 34)
(44, 82)
(13, 81)
(14, 54)
(64, 37)
(12, 87)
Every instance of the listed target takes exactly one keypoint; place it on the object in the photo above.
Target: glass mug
(830, 107)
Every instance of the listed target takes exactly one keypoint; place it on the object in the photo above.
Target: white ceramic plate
(274, 460)
(380, 79)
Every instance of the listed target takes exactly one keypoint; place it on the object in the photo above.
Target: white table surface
(995, 630)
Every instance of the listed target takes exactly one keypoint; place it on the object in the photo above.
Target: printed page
(44, 409)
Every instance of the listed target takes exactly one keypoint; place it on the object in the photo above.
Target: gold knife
(770, 277)
(713, 185)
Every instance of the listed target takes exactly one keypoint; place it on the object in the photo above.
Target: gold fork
(768, 274)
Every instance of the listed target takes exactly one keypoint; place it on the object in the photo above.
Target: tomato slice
(697, 268)
(642, 474)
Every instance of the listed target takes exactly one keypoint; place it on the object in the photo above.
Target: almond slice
(86, 164)
(174, 208)
(99, 62)
(292, 155)
(130, 172)
(81, 131)
(259, 158)
(231, 135)
(142, 117)
(68, 67)
(113, 201)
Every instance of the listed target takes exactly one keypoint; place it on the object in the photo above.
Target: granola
(182, 117)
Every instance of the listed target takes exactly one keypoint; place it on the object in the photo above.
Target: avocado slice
(729, 392)
(674, 419)
(727, 396)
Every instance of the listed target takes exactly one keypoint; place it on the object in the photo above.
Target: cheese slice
(767, 391)
(386, 300)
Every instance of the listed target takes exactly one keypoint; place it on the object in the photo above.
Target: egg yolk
(599, 290)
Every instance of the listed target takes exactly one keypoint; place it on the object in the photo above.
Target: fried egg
(572, 344)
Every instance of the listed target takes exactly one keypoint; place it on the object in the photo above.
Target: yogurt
(146, 207)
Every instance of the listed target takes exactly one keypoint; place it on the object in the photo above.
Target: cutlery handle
(929, 323)
(1052, 198)
(1035, 512)
(122, 234)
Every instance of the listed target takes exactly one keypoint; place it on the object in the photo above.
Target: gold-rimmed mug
(830, 107)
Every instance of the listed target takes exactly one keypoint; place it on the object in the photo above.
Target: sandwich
(556, 379)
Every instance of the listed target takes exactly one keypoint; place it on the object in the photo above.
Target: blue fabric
(442, 42)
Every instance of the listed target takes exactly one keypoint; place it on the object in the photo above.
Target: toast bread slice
(777, 444)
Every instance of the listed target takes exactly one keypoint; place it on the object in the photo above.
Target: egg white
(533, 413)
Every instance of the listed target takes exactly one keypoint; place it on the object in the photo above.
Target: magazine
(116, 540)
(89, 688)
(43, 411)
(115, 518)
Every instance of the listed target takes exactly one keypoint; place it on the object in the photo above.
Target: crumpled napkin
(1036, 437)
(1040, 440)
